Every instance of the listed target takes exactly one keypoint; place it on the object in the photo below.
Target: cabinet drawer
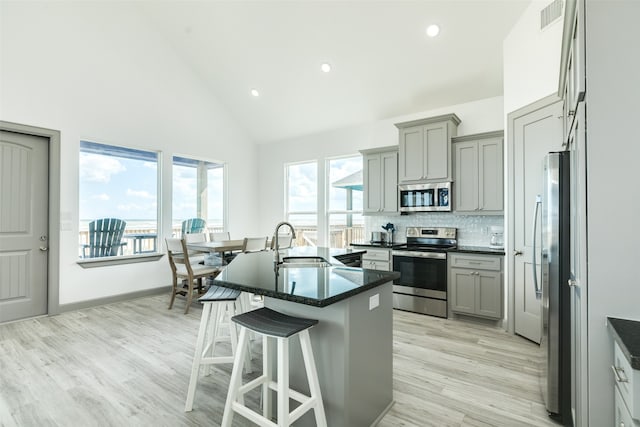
(627, 381)
(376, 265)
(621, 412)
(479, 262)
(377, 255)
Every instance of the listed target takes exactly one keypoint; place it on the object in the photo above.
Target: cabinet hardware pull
(616, 372)
(517, 253)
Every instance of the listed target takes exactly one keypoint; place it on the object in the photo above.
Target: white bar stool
(218, 303)
(271, 324)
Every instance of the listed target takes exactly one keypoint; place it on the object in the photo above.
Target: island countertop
(316, 286)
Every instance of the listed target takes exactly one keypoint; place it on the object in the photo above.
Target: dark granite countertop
(627, 334)
(317, 286)
(376, 245)
(487, 250)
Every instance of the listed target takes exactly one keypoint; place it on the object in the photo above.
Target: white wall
(531, 59)
(612, 93)
(478, 116)
(95, 71)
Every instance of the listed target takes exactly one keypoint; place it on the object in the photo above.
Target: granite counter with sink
(353, 341)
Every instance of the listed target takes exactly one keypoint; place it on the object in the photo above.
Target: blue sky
(119, 187)
(125, 188)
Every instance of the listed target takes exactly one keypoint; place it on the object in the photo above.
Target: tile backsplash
(473, 230)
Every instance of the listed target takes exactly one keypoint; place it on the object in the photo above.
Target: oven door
(421, 273)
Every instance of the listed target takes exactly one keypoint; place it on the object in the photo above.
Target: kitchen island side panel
(352, 346)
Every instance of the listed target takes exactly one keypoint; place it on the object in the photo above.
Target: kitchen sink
(304, 261)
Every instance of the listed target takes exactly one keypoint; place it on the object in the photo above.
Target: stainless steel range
(422, 263)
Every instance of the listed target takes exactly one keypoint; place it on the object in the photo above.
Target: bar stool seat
(274, 325)
(218, 303)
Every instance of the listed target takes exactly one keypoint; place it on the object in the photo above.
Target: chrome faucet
(276, 244)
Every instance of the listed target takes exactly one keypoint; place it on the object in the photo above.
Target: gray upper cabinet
(380, 178)
(479, 173)
(425, 149)
(572, 84)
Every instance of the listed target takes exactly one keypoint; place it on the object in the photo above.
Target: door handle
(44, 248)
(571, 282)
(535, 232)
(517, 253)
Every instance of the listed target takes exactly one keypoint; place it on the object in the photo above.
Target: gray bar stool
(218, 303)
(278, 326)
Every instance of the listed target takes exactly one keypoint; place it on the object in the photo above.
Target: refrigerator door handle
(535, 234)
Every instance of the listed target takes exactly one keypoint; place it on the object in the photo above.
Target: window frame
(225, 192)
(134, 258)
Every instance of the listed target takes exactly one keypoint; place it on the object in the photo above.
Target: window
(345, 195)
(198, 192)
(118, 190)
(302, 201)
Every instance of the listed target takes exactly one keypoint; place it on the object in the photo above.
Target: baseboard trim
(115, 298)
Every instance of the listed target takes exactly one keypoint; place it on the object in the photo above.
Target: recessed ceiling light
(433, 30)
(255, 92)
(326, 67)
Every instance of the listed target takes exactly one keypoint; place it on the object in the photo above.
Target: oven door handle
(415, 254)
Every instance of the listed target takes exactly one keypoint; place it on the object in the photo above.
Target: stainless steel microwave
(425, 197)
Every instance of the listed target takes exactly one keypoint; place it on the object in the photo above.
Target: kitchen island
(352, 342)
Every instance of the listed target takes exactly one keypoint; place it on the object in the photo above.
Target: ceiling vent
(551, 13)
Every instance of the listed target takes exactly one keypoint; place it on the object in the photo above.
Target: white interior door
(535, 133)
(24, 203)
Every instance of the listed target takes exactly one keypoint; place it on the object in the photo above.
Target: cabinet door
(389, 182)
(463, 293)
(371, 175)
(490, 175)
(412, 154)
(437, 152)
(466, 182)
(489, 294)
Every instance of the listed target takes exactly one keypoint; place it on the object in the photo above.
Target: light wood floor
(128, 364)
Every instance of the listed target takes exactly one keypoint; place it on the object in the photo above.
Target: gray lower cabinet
(627, 390)
(478, 173)
(380, 178)
(475, 285)
(377, 259)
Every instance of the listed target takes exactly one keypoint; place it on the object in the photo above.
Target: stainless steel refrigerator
(553, 286)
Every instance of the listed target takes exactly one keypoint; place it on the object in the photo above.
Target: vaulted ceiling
(382, 62)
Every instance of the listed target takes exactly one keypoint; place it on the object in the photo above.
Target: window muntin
(119, 182)
(345, 201)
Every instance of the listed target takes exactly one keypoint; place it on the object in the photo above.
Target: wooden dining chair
(284, 241)
(195, 257)
(219, 236)
(183, 268)
(254, 244)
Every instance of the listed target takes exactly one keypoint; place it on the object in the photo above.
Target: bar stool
(281, 327)
(218, 303)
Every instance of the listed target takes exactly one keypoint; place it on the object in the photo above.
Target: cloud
(103, 197)
(140, 193)
(97, 168)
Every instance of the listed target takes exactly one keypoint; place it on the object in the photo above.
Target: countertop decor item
(389, 228)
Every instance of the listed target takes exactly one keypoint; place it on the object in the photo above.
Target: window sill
(117, 260)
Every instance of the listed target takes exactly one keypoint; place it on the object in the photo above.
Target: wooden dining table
(222, 247)
(219, 246)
